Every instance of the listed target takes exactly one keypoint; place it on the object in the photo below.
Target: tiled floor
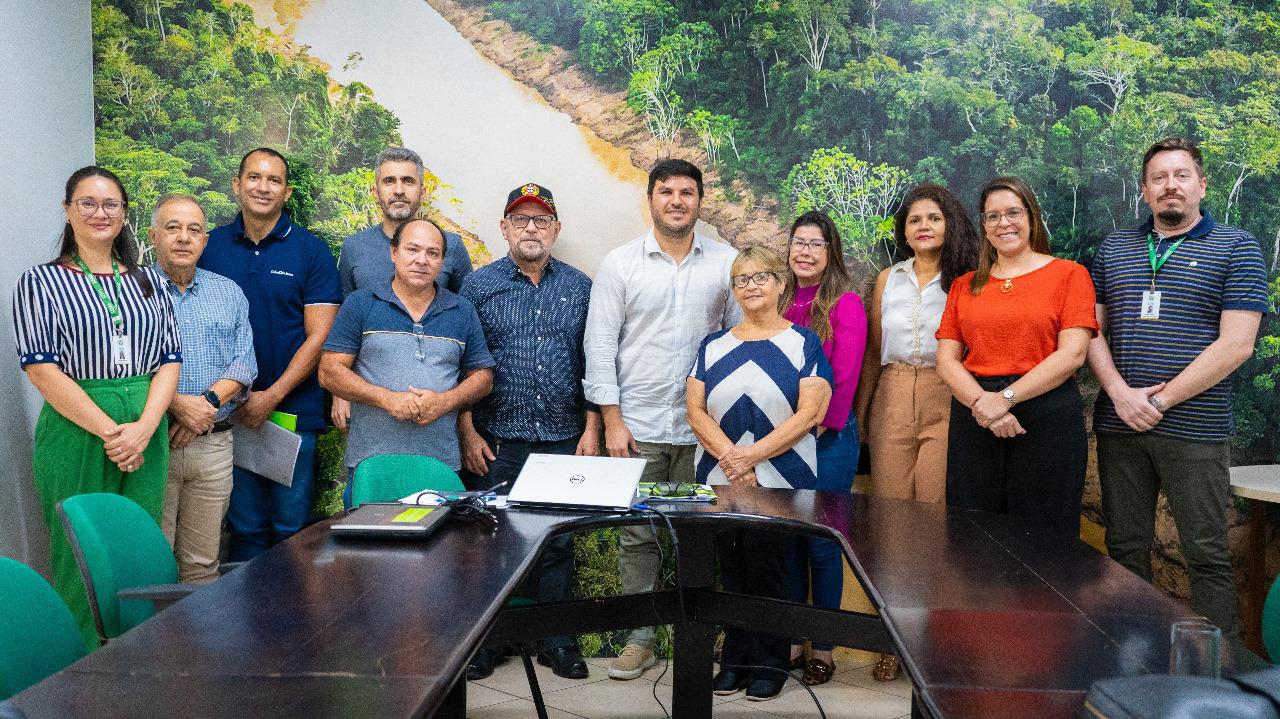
(852, 694)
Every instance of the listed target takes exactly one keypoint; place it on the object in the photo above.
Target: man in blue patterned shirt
(533, 308)
(219, 364)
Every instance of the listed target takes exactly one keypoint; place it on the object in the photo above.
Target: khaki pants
(910, 414)
(195, 501)
(638, 555)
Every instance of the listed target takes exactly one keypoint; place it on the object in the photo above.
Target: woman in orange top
(1012, 336)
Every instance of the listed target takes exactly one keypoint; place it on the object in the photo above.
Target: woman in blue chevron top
(756, 392)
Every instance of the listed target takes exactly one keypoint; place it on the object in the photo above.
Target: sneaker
(632, 662)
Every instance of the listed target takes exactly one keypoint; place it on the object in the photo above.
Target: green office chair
(38, 635)
(391, 477)
(128, 568)
(1271, 622)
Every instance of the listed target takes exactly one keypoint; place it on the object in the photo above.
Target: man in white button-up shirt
(653, 301)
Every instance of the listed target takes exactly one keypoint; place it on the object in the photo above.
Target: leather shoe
(762, 690)
(483, 662)
(729, 681)
(564, 662)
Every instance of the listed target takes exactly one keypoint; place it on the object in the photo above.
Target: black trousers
(756, 562)
(1038, 475)
(552, 580)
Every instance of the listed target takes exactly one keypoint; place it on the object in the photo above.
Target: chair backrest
(389, 477)
(38, 635)
(118, 546)
(1271, 622)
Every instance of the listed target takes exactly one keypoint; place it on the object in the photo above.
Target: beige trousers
(908, 425)
(195, 501)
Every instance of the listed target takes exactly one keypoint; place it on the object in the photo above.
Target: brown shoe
(886, 670)
(818, 672)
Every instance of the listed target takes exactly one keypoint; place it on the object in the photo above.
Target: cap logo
(529, 190)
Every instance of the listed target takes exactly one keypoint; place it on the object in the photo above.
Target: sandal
(818, 672)
(886, 670)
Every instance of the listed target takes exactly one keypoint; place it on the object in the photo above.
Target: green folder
(286, 420)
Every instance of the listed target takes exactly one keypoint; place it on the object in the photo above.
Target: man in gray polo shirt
(408, 355)
(365, 260)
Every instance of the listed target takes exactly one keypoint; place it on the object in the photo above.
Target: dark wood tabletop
(991, 617)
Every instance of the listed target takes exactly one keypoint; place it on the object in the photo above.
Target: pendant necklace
(1007, 286)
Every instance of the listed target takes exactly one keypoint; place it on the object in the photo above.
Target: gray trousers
(195, 501)
(1196, 479)
(638, 558)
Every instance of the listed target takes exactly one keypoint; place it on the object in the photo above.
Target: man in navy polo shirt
(289, 278)
(365, 260)
(1179, 303)
(407, 355)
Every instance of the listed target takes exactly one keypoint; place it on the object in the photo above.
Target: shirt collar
(282, 229)
(513, 271)
(195, 279)
(909, 267)
(444, 300)
(651, 245)
(1201, 228)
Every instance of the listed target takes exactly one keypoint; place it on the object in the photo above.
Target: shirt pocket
(214, 345)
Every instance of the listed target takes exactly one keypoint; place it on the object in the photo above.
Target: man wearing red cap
(533, 309)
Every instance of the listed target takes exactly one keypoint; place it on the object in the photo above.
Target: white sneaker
(632, 662)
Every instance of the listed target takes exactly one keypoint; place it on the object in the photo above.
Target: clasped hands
(192, 417)
(124, 444)
(417, 405)
(739, 466)
(991, 411)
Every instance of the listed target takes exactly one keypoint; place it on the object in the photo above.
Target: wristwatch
(1009, 395)
(1156, 402)
(212, 398)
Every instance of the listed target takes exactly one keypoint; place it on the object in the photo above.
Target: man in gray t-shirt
(365, 261)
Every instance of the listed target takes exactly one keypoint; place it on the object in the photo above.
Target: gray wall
(46, 132)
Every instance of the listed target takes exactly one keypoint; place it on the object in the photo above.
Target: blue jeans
(822, 558)
(264, 513)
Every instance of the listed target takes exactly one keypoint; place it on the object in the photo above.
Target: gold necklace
(1007, 286)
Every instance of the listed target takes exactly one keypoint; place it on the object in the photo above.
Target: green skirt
(69, 461)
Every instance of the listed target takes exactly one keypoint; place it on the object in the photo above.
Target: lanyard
(113, 309)
(1157, 263)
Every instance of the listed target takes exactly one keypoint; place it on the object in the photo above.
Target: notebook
(391, 520)
(573, 482)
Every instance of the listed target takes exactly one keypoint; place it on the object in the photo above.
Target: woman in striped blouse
(97, 337)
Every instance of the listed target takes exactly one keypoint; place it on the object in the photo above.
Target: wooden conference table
(991, 618)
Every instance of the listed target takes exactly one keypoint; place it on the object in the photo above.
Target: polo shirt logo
(282, 272)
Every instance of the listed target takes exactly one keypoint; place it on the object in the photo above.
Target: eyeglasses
(541, 222)
(87, 207)
(420, 333)
(673, 489)
(811, 245)
(759, 278)
(1013, 215)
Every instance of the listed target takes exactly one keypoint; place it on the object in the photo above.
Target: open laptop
(392, 520)
(560, 481)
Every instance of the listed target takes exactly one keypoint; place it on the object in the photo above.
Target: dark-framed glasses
(541, 222)
(811, 245)
(673, 489)
(760, 278)
(1013, 215)
(88, 206)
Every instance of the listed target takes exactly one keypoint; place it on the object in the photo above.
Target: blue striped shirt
(59, 319)
(217, 340)
(1216, 268)
(534, 333)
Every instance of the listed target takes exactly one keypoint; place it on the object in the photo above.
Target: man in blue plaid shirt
(217, 346)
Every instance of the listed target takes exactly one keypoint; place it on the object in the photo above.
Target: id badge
(1150, 305)
(121, 350)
